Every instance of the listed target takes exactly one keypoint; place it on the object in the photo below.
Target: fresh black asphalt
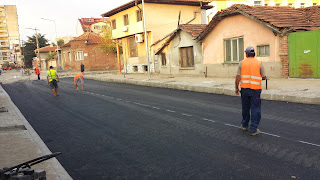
(120, 131)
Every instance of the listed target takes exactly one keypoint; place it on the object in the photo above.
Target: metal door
(304, 54)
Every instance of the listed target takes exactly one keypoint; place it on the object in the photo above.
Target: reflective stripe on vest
(250, 76)
(52, 75)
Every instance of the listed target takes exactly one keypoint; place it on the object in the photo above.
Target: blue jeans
(251, 101)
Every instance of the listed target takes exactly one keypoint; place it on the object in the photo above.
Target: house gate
(304, 54)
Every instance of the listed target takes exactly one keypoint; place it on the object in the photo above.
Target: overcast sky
(64, 12)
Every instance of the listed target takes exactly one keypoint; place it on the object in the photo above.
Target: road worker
(79, 79)
(37, 72)
(250, 74)
(53, 80)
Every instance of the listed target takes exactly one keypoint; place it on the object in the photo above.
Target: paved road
(120, 131)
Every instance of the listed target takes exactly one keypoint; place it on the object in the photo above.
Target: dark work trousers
(251, 101)
(38, 76)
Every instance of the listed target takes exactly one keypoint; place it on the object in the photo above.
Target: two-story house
(223, 4)
(161, 18)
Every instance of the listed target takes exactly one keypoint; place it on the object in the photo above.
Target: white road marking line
(231, 125)
(310, 143)
(170, 111)
(119, 99)
(269, 134)
(128, 101)
(208, 120)
(155, 108)
(186, 114)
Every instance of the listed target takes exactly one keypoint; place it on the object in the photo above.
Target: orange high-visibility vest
(250, 74)
(76, 77)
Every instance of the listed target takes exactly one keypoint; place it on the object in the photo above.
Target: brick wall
(284, 56)
(94, 61)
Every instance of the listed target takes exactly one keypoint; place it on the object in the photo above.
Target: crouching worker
(77, 80)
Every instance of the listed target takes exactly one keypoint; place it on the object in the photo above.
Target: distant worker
(53, 80)
(250, 74)
(79, 79)
(82, 67)
(37, 71)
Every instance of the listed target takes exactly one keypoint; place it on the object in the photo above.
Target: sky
(65, 13)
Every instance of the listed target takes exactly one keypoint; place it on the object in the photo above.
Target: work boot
(244, 128)
(255, 133)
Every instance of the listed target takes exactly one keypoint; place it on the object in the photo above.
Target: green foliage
(31, 45)
(60, 42)
(108, 43)
(51, 55)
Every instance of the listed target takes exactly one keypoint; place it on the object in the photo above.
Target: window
(89, 20)
(125, 20)
(290, 5)
(104, 27)
(114, 25)
(265, 4)
(133, 47)
(302, 5)
(139, 15)
(277, 4)
(314, 4)
(186, 57)
(163, 59)
(263, 50)
(70, 58)
(87, 29)
(78, 55)
(257, 3)
(64, 57)
(234, 50)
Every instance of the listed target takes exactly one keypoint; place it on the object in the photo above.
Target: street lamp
(146, 38)
(55, 28)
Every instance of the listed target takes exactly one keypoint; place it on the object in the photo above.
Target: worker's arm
(237, 81)
(237, 84)
(58, 78)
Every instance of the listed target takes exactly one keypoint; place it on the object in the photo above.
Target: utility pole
(37, 41)
(146, 38)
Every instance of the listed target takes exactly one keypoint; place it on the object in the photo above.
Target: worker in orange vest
(37, 72)
(250, 74)
(79, 79)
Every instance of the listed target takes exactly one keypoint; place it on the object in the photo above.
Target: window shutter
(228, 50)
(241, 49)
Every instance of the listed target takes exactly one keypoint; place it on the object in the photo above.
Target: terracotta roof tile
(194, 29)
(47, 49)
(276, 18)
(87, 37)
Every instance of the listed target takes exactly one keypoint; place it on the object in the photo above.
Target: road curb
(57, 168)
(213, 90)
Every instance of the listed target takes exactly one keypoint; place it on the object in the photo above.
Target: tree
(60, 42)
(31, 45)
(108, 43)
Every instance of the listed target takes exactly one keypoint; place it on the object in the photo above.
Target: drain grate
(3, 109)
(13, 128)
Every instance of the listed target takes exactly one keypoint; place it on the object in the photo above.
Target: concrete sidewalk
(18, 140)
(289, 90)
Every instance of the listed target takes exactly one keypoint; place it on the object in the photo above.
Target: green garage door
(304, 54)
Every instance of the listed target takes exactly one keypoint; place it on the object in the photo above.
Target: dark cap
(50, 67)
(249, 49)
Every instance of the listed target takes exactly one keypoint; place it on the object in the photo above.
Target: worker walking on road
(250, 74)
(79, 79)
(53, 80)
(37, 72)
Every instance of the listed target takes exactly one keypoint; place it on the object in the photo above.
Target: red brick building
(86, 49)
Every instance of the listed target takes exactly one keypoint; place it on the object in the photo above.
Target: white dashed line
(119, 99)
(170, 111)
(269, 134)
(310, 143)
(186, 114)
(128, 101)
(208, 120)
(155, 108)
(231, 125)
